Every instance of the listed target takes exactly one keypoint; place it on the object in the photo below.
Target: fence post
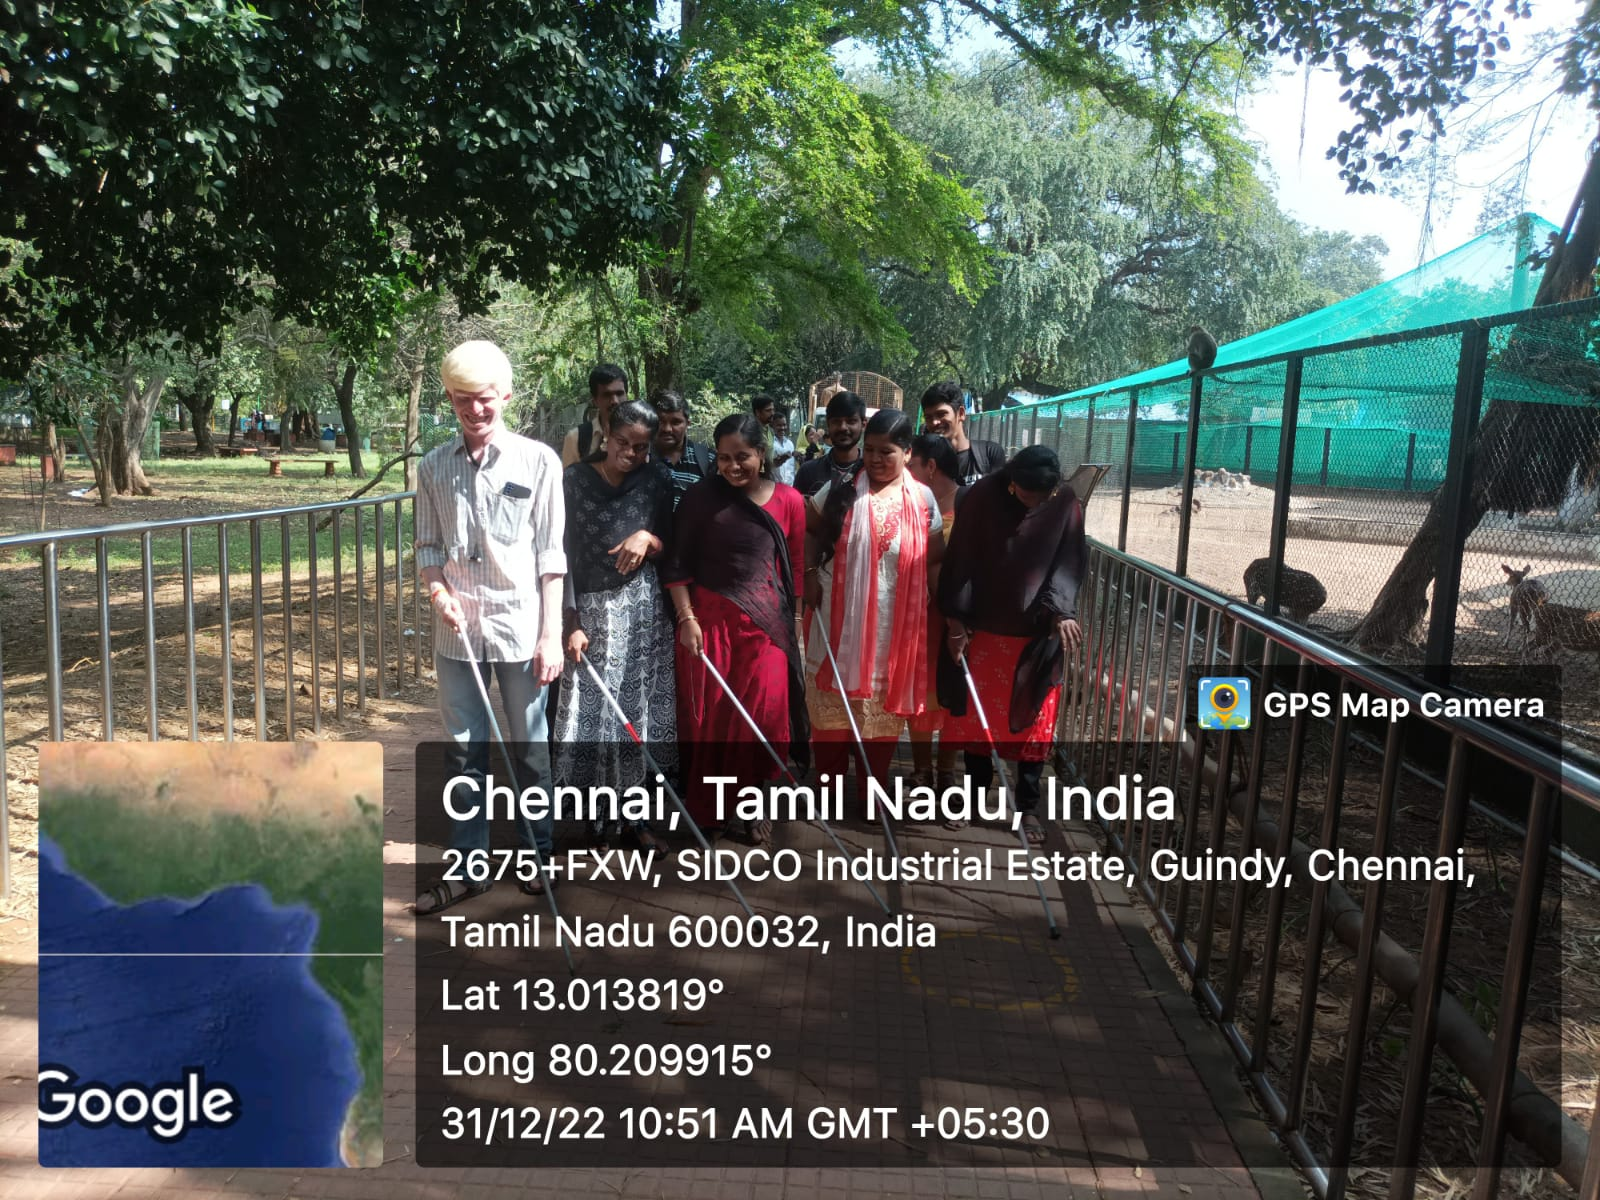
(1088, 434)
(1453, 501)
(1033, 423)
(1182, 566)
(1411, 459)
(1249, 434)
(1288, 422)
(1327, 452)
(1127, 471)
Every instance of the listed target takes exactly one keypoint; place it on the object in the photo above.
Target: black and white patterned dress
(629, 625)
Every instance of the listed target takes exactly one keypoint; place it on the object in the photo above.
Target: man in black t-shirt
(944, 412)
(847, 418)
(608, 387)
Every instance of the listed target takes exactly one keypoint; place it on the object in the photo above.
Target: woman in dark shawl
(737, 551)
(619, 513)
(1009, 591)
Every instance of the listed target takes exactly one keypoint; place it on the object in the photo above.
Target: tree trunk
(199, 406)
(53, 447)
(413, 417)
(346, 394)
(121, 433)
(1524, 453)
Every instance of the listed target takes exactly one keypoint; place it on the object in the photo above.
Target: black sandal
(535, 886)
(447, 893)
(651, 844)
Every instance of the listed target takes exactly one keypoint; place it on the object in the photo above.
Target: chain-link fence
(1430, 496)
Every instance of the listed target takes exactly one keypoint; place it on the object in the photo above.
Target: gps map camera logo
(1225, 702)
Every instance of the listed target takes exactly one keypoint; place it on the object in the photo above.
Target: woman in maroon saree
(1009, 593)
(737, 550)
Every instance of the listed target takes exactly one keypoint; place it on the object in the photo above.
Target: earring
(1012, 488)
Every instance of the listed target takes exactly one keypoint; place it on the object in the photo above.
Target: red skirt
(713, 737)
(992, 659)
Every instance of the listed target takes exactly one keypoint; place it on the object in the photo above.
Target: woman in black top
(619, 511)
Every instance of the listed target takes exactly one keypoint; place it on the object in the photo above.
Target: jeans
(1026, 779)
(527, 739)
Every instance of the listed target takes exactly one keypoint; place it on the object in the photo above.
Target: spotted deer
(1526, 596)
(1561, 626)
(1300, 593)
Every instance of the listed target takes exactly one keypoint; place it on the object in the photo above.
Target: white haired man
(490, 520)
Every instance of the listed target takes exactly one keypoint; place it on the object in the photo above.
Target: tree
(1098, 266)
(1524, 454)
(161, 158)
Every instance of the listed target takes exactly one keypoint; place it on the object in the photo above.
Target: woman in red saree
(875, 538)
(737, 550)
(1009, 592)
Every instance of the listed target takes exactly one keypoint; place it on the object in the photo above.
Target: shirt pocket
(508, 518)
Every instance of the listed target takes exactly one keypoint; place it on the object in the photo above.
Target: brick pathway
(1143, 1094)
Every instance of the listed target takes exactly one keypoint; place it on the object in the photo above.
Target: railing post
(148, 578)
(1088, 434)
(52, 640)
(1127, 471)
(1425, 997)
(1453, 501)
(1289, 420)
(192, 691)
(225, 616)
(1189, 451)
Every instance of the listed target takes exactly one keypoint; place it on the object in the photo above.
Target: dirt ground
(1233, 528)
(185, 488)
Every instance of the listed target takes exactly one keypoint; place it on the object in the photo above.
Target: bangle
(685, 616)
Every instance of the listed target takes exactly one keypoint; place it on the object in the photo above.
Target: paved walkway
(1143, 1096)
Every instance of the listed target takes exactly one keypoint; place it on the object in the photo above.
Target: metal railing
(331, 611)
(1354, 440)
(1149, 634)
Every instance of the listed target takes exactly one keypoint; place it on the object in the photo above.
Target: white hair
(473, 366)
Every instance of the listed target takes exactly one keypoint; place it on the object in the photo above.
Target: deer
(1558, 626)
(1526, 596)
(1300, 593)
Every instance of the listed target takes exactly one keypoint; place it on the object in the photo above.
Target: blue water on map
(262, 1025)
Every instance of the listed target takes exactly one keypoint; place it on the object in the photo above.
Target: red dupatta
(856, 557)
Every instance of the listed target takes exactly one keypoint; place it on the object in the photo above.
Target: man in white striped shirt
(490, 520)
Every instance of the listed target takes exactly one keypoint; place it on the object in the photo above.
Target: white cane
(999, 765)
(494, 724)
(784, 767)
(855, 730)
(656, 770)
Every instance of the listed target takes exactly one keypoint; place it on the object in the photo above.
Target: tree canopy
(161, 157)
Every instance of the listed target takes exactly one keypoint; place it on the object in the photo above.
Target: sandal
(760, 833)
(446, 894)
(535, 886)
(605, 834)
(1032, 830)
(651, 844)
(957, 823)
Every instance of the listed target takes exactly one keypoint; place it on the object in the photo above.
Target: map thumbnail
(211, 954)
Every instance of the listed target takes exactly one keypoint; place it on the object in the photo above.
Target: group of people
(703, 599)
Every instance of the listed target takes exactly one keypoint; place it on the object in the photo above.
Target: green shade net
(1370, 416)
